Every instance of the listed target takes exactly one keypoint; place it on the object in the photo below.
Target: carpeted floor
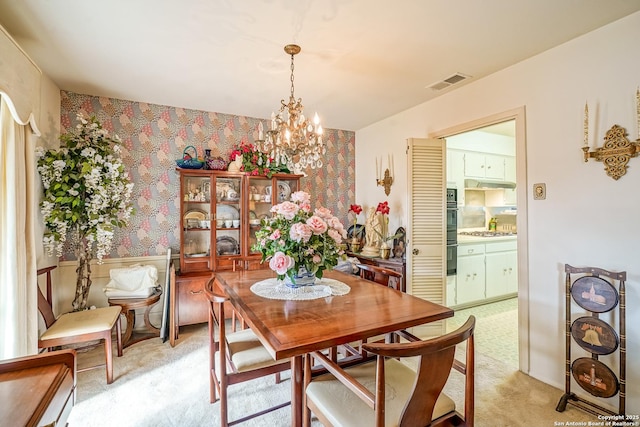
(496, 332)
(156, 385)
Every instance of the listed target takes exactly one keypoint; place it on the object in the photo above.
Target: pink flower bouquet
(299, 238)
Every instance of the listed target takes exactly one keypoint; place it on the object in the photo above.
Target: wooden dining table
(292, 328)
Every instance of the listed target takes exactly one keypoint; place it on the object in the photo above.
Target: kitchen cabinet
(220, 213)
(483, 165)
(501, 268)
(510, 175)
(470, 280)
(455, 173)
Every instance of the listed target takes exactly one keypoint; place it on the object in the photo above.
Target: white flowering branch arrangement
(87, 195)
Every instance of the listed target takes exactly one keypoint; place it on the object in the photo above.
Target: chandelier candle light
(293, 140)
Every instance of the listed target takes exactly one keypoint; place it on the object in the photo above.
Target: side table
(129, 305)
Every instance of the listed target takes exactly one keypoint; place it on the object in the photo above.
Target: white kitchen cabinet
(455, 173)
(501, 268)
(482, 165)
(510, 175)
(470, 280)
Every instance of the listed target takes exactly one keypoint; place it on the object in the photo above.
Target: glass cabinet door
(195, 222)
(228, 220)
(260, 203)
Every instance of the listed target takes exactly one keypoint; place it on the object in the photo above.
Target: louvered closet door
(426, 256)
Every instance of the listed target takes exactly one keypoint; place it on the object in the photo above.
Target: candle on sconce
(638, 110)
(260, 131)
(377, 170)
(586, 124)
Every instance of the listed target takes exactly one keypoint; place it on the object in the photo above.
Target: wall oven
(452, 231)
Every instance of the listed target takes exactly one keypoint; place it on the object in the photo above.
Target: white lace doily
(276, 289)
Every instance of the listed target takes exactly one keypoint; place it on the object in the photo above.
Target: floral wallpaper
(154, 136)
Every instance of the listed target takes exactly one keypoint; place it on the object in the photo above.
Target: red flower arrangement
(383, 208)
(256, 162)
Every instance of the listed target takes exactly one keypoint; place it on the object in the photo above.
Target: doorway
(511, 122)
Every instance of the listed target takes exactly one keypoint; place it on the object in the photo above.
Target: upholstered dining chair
(79, 327)
(235, 357)
(387, 392)
(383, 276)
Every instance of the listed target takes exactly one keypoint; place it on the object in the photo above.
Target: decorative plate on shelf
(193, 216)
(226, 245)
(227, 212)
(594, 294)
(197, 255)
(595, 377)
(284, 191)
(594, 335)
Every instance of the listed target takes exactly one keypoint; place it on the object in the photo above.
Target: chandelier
(293, 140)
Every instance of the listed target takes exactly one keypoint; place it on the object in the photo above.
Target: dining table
(291, 328)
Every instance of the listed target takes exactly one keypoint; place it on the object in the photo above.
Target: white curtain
(18, 210)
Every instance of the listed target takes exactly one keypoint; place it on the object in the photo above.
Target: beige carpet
(156, 385)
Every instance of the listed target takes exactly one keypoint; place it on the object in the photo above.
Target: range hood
(480, 184)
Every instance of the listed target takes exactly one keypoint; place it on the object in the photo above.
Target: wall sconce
(385, 179)
(617, 149)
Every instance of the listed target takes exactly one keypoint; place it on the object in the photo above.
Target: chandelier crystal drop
(293, 139)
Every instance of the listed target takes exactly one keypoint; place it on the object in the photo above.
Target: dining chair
(381, 275)
(79, 327)
(387, 391)
(235, 357)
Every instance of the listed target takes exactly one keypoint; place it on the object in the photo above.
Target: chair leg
(224, 416)
(119, 336)
(306, 413)
(109, 357)
(212, 353)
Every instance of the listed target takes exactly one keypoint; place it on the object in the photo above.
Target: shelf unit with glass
(220, 213)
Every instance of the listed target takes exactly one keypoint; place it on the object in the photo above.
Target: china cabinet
(220, 213)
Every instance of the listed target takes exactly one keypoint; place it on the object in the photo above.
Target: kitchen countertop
(462, 239)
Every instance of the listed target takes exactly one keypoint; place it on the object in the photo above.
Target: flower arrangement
(296, 238)
(256, 162)
(383, 209)
(87, 195)
(356, 210)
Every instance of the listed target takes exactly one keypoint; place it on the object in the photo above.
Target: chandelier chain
(292, 67)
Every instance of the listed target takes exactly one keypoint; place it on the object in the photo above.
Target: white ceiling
(361, 60)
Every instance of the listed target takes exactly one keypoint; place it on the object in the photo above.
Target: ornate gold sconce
(385, 179)
(617, 149)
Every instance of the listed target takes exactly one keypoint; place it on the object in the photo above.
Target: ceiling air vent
(456, 78)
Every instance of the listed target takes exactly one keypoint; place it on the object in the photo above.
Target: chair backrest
(383, 276)
(44, 305)
(436, 360)
(216, 307)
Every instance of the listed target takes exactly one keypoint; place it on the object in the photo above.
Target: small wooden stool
(129, 306)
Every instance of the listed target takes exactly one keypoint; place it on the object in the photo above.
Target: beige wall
(587, 219)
